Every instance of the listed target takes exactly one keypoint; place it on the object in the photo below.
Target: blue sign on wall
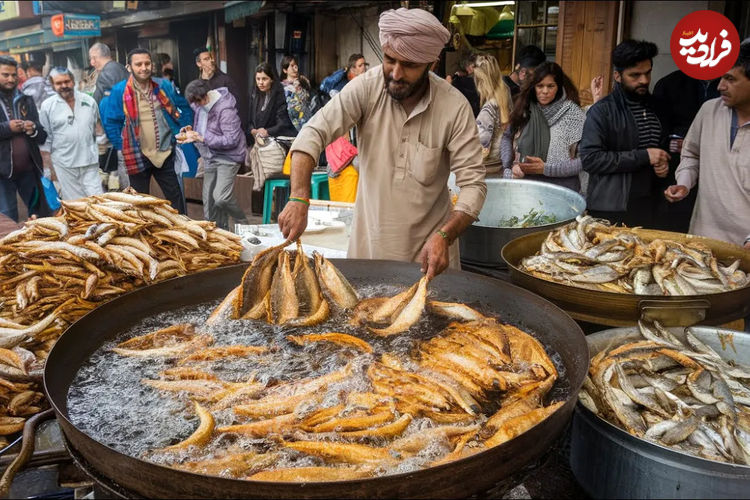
(82, 25)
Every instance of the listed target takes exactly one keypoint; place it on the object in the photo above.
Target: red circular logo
(705, 45)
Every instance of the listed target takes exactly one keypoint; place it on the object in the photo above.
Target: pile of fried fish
(56, 269)
(592, 253)
(677, 393)
(474, 385)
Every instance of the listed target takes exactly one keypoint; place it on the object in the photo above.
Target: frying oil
(108, 401)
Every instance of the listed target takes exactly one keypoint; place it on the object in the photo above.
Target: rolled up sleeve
(466, 162)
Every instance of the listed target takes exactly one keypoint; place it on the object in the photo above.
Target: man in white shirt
(70, 121)
(716, 152)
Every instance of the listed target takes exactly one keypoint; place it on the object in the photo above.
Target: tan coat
(405, 162)
(722, 210)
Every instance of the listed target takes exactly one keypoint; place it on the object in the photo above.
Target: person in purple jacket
(218, 135)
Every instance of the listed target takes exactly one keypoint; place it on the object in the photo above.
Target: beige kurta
(149, 121)
(405, 161)
(722, 209)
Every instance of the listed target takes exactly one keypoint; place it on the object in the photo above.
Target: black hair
(197, 52)
(519, 117)
(743, 60)
(631, 52)
(197, 89)
(266, 68)
(160, 59)
(138, 50)
(530, 56)
(353, 60)
(285, 62)
(8, 61)
(35, 65)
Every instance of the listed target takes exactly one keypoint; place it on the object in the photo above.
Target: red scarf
(130, 104)
(131, 150)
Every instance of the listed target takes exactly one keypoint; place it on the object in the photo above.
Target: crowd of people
(639, 158)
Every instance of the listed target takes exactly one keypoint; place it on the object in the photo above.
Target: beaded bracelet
(301, 200)
(443, 234)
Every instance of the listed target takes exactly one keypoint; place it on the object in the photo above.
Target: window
(536, 24)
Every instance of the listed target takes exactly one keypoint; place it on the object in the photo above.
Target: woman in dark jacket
(268, 112)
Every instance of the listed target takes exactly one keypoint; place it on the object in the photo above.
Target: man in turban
(413, 130)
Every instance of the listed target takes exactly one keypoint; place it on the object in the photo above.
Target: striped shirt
(649, 127)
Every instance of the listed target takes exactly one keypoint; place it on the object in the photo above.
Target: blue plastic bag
(50, 192)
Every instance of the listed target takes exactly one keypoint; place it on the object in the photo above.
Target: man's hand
(597, 87)
(657, 156)
(532, 165)
(16, 126)
(517, 171)
(261, 132)
(434, 256)
(676, 193)
(293, 220)
(29, 127)
(659, 159)
(661, 170)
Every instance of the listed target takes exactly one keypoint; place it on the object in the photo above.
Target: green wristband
(300, 200)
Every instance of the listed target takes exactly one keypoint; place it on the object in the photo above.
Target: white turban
(413, 35)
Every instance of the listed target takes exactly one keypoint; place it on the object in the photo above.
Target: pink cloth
(414, 35)
(340, 154)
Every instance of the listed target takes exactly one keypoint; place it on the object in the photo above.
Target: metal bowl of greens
(513, 208)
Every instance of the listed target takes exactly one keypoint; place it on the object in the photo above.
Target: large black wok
(457, 479)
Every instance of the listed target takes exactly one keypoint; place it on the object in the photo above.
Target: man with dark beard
(413, 130)
(141, 117)
(20, 137)
(623, 143)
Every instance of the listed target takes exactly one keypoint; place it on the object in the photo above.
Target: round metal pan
(609, 462)
(457, 479)
(620, 309)
(481, 242)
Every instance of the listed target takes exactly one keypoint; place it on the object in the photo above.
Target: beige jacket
(722, 210)
(405, 161)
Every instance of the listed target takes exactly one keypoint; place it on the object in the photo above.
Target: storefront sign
(75, 25)
(705, 45)
(8, 10)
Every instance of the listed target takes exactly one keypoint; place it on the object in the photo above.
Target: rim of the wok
(561, 286)
(623, 333)
(569, 401)
(548, 186)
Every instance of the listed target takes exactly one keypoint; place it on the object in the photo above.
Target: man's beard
(408, 90)
(65, 92)
(636, 96)
(7, 88)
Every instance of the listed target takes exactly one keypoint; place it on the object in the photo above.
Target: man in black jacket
(623, 142)
(20, 136)
(678, 98)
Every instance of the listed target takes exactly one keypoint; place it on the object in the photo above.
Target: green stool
(318, 191)
(319, 187)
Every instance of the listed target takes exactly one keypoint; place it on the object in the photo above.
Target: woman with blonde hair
(493, 118)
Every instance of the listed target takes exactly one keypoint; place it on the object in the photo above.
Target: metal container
(622, 309)
(482, 241)
(461, 478)
(609, 462)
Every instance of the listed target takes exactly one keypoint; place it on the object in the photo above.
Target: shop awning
(238, 10)
(22, 40)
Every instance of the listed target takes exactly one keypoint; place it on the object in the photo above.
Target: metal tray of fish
(621, 309)
(609, 462)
